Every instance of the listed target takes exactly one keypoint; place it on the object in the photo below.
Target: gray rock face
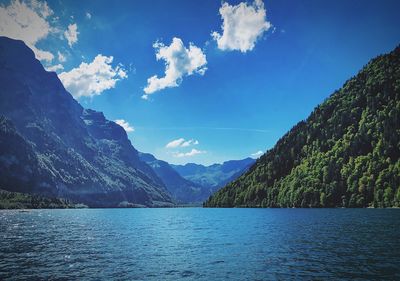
(51, 145)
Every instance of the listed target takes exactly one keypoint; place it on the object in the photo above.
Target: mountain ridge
(182, 190)
(77, 154)
(216, 175)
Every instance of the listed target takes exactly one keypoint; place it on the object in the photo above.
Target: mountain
(345, 154)
(181, 189)
(50, 145)
(216, 175)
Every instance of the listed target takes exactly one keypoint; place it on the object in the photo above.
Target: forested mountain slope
(346, 153)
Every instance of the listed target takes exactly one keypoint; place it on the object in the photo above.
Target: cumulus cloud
(257, 154)
(179, 62)
(181, 142)
(55, 67)
(27, 21)
(124, 124)
(71, 34)
(242, 25)
(191, 153)
(91, 79)
(61, 57)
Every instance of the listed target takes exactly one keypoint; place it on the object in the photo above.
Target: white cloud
(55, 67)
(128, 128)
(181, 142)
(27, 21)
(189, 143)
(61, 57)
(175, 143)
(191, 153)
(179, 62)
(122, 72)
(242, 25)
(42, 8)
(88, 15)
(71, 34)
(257, 154)
(91, 79)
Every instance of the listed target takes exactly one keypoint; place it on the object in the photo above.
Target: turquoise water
(200, 244)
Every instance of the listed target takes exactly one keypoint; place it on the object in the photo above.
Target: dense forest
(345, 154)
(16, 200)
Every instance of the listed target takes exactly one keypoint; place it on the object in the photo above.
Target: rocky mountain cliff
(51, 145)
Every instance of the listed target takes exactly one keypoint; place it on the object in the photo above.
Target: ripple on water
(200, 244)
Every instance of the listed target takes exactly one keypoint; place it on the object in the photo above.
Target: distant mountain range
(194, 183)
(181, 189)
(50, 145)
(346, 154)
(214, 176)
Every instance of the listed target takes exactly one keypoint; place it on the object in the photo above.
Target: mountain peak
(15, 54)
(79, 154)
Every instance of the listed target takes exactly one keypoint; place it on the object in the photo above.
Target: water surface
(200, 244)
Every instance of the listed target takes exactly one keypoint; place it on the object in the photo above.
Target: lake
(200, 244)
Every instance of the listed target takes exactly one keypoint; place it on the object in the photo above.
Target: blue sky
(234, 102)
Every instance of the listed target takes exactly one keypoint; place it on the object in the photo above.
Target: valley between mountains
(345, 154)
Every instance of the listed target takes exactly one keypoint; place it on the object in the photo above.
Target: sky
(203, 81)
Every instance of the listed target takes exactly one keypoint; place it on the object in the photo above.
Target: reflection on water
(200, 244)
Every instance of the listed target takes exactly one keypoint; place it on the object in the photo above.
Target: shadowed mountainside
(50, 145)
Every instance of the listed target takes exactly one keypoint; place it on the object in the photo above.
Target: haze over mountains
(183, 190)
(194, 183)
(214, 176)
